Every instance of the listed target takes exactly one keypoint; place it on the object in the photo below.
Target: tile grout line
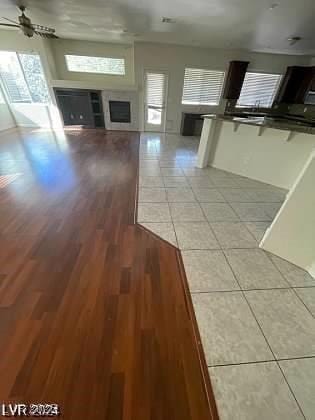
(285, 378)
(290, 286)
(250, 308)
(272, 352)
(261, 361)
(238, 290)
(244, 290)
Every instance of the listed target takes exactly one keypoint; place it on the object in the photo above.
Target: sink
(247, 114)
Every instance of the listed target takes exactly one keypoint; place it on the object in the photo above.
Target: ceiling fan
(28, 28)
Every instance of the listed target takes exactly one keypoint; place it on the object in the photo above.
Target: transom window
(202, 87)
(259, 89)
(23, 78)
(101, 65)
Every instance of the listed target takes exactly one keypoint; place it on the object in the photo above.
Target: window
(202, 87)
(102, 65)
(34, 77)
(259, 89)
(23, 78)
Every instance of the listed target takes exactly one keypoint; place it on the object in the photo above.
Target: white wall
(6, 118)
(292, 233)
(62, 47)
(31, 115)
(174, 59)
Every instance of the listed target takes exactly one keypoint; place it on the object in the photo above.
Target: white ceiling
(240, 24)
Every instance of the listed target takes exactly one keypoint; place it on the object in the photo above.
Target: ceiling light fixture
(167, 20)
(294, 39)
(273, 6)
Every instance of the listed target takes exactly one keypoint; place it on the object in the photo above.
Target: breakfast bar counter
(261, 148)
(279, 153)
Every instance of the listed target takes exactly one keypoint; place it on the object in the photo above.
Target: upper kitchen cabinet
(295, 85)
(234, 79)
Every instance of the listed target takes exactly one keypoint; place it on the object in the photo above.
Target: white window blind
(102, 65)
(259, 89)
(202, 87)
(155, 89)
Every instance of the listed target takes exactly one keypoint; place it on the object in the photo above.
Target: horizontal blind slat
(259, 88)
(202, 87)
(155, 89)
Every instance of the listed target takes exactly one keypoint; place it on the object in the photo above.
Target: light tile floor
(255, 311)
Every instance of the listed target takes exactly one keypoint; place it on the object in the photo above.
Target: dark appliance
(80, 107)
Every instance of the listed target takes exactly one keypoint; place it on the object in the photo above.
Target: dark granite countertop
(266, 122)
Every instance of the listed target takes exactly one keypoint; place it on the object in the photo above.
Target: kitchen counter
(261, 148)
(265, 122)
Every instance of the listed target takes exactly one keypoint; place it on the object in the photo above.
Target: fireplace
(119, 111)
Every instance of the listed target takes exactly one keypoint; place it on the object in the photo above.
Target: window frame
(200, 104)
(2, 96)
(260, 72)
(3, 85)
(96, 72)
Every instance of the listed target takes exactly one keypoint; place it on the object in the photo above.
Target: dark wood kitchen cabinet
(234, 79)
(295, 85)
(80, 107)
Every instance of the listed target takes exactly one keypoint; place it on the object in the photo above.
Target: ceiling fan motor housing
(26, 25)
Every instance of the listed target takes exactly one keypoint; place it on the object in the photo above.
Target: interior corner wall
(6, 118)
(173, 59)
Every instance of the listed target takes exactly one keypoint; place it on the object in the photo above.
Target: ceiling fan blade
(10, 20)
(10, 25)
(47, 35)
(43, 28)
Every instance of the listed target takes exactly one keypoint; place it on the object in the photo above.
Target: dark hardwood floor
(94, 310)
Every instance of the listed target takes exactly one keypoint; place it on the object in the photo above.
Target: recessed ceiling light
(273, 6)
(294, 39)
(167, 20)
